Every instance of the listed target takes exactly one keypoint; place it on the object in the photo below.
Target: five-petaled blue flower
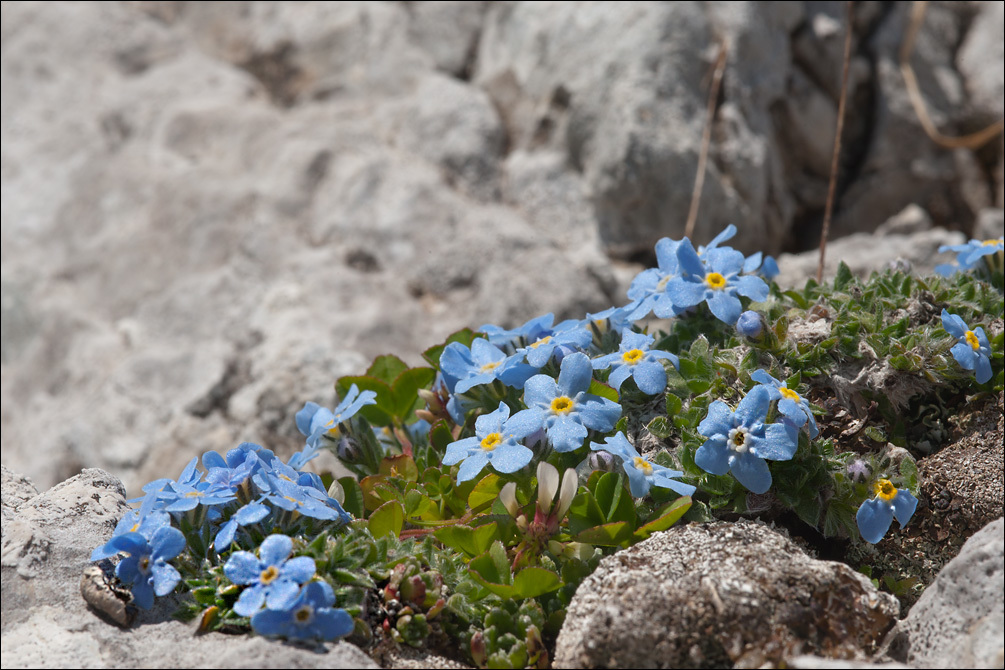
(793, 406)
(273, 580)
(972, 351)
(496, 441)
(636, 360)
(969, 254)
(875, 515)
(564, 408)
(483, 363)
(648, 289)
(714, 279)
(739, 441)
(642, 473)
(147, 568)
(315, 421)
(310, 617)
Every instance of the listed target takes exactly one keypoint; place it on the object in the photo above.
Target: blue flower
(483, 363)
(146, 568)
(310, 617)
(793, 406)
(565, 338)
(528, 332)
(612, 318)
(875, 515)
(315, 421)
(972, 350)
(564, 408)
(273, 580)
(969, 254)
(648, 289)
(739, 441)
(245, 516)
(750, 324)
(145, 521)
(715, 280)
(642, 473)
(635, 359)
(497, 441)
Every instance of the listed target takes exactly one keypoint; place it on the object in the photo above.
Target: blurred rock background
(212, 210)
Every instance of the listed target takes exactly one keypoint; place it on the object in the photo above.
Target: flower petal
(752, 472)
(874, 518)
(275, 549)
(713, 456)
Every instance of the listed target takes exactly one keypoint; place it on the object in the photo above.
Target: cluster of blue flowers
(248, 494)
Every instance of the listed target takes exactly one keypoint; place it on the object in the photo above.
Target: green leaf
(472, 541)
(492, 569)
(660, 427)
(666, 517)
(614, 500)
(406, 392)
(606, 535)
(844, 277)
(401, 466)
(387, 519)
(534, 581)
(386, 368)
(699, 348)
(440, 436)
(585, 513)
(353, 497)
(674, 405)
(603, 390)
(485, 491)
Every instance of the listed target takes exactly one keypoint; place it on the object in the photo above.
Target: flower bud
(602, 460)
(749, 324)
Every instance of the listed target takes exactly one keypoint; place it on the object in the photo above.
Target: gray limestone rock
(720, 594)
(959, 621)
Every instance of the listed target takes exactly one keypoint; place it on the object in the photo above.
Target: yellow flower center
(544, 340)
(488, 367)
(269, 575)
(491, 441)
(193, 494)
(304, 614)
(738, 440)
(789, 394)
(136, 527)
(144, 564)
(632, 356)
(645, 466)
(562, 405)
(715, 280)
(972, 340)
(885, 489)
(988, 243)
(662, 284)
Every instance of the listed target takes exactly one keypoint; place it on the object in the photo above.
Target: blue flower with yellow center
(497, 440)
(715, 280)
(793, 406)
(972, 351)
(146, 568)
(310, 617)
(648, 290)
(464, 368)
(642, 473)
(564, 408)
(272, 578)
(875, 515)
(969, 254)
(316, 422)
(635, 359)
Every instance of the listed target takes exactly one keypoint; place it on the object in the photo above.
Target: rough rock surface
(712, 595)
(212, 210)
(47, 541)
(959, 621)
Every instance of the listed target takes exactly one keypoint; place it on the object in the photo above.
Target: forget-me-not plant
(875, 515)
(642, 473)
(715, 280)
(972, 350)
(273, 579)
(497, 440)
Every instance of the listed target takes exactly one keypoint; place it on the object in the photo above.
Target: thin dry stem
(706, 139)
(832, 186)
(971, 141)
